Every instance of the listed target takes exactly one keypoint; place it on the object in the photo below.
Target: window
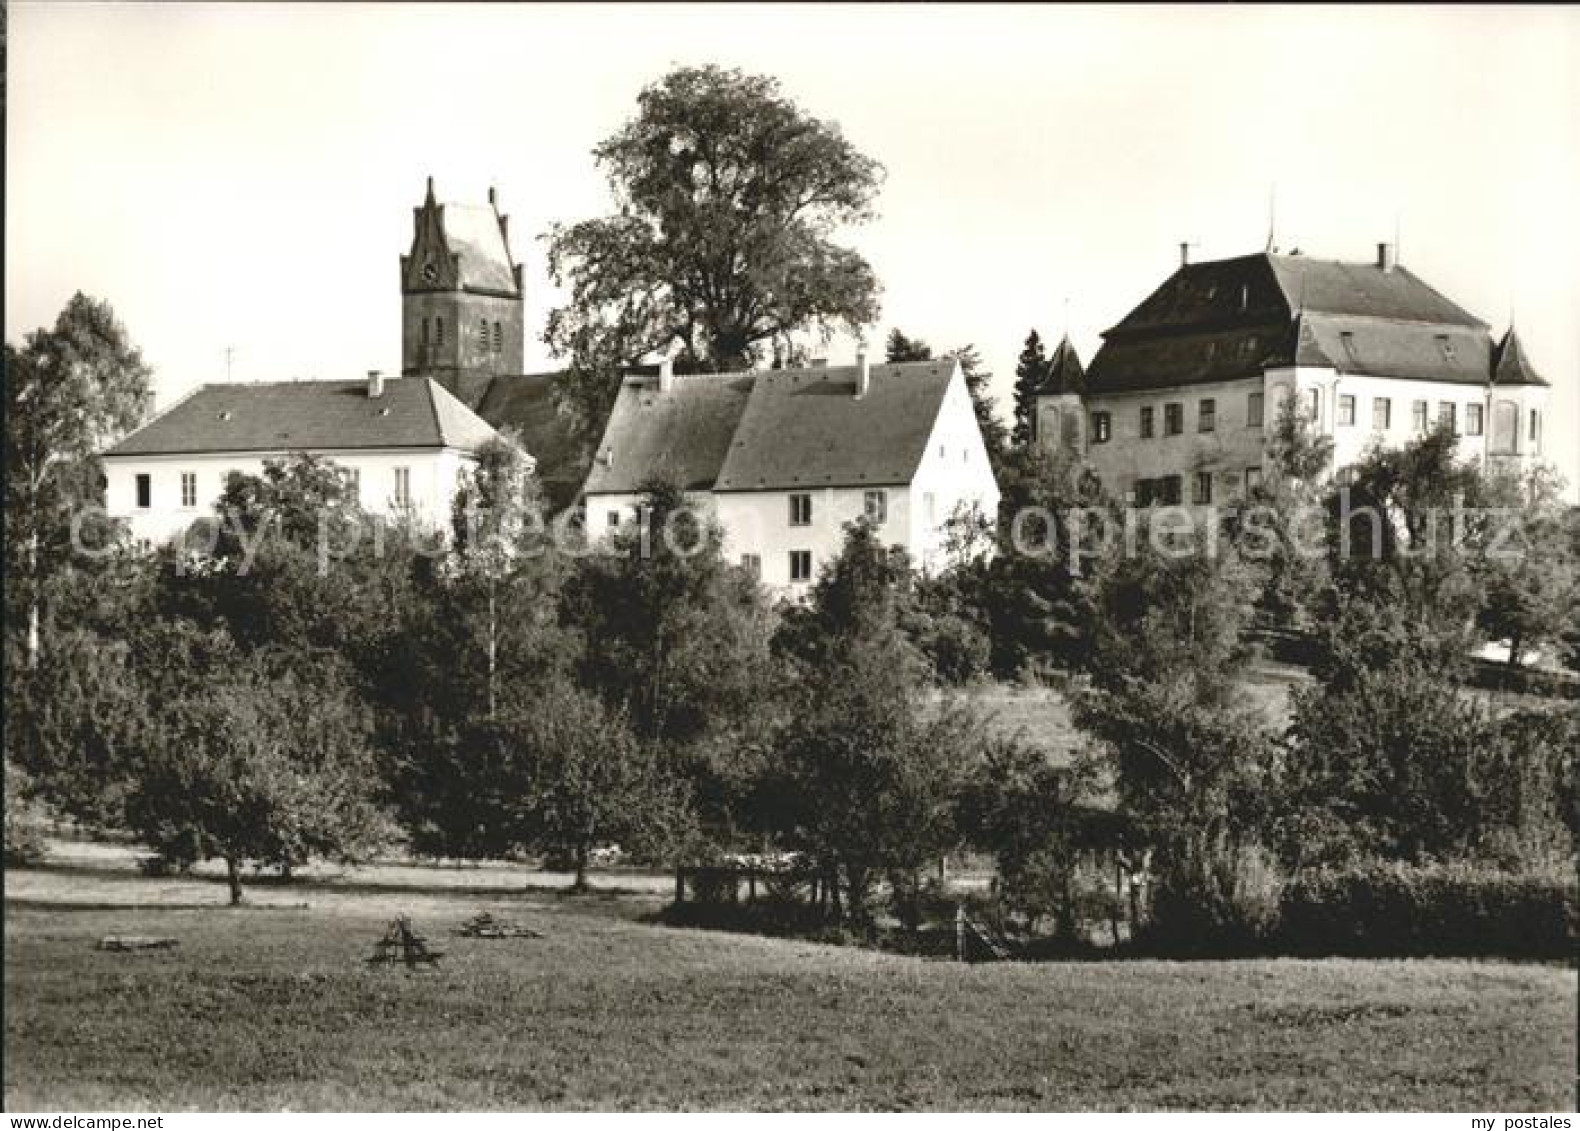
(354, 483)
(1447, 347)
(800, 565)
(1147, 424)
(1536, 428)
(1473, 420)
(1313, 404)
(612, 519)
(438, 331)
(403, 486)
(1346, 411)
(1146, 489)
(1418, 415)
(1206, 415)
(1102, 427)
(1201, 492)
(145, 492)
(876, 505)
(1253, 410)
(753, 564)
(499, 339)
(188, 489)
(1173, 419)
(1382, 414)
(1170, 490)
(482, 333)
(1445, 413)
(1253, 479)
(800, 510)
(424, 331)
(1505, 427)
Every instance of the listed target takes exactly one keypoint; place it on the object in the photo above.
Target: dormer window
(1447, 347)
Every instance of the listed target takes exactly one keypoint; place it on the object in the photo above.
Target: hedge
(1390, 910)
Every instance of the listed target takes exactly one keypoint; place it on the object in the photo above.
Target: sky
(241, 176)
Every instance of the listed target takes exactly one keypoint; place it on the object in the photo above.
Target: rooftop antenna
(1272, 215)
(1066, 316)
(1398, 257)
(230, 353)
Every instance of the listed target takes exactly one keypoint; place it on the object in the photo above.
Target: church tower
(462, 308)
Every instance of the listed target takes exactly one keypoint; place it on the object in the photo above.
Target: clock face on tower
(430, 272)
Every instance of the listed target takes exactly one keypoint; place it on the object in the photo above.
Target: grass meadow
(272, 1007)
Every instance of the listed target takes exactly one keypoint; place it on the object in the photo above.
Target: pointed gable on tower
(1510, 366)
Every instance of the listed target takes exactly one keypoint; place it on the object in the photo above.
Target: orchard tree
(866, 777)
(1530, 567)
(728, 197)
(70, 390)
(581, 777)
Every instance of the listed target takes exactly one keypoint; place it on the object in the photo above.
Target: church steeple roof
(1065, 373)
(1510, 366)
(461, 247)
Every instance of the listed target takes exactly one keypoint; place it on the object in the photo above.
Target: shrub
(1220, 900)
(1376, 909)
(24, 827)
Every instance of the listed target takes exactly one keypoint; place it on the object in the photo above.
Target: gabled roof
(1511, 366)
(682, 435)
(474, 232)
(806, 427)
(1232, 318)
(1065, 373)
(772, 429)
(412, 412)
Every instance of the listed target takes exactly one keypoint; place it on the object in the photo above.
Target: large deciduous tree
(70, 390)
(728, 196)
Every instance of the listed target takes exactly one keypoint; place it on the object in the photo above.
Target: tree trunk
(493, 648)
(1516, 646)
(233, 878)
(580, 883)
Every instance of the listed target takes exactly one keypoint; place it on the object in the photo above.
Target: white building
(1178, 402)
(405, 442)
(786, 457)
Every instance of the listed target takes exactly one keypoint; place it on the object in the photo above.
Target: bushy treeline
(302, 682)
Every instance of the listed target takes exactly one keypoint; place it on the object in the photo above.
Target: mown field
(273, 1007)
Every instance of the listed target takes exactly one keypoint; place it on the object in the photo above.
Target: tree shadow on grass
(53, 906)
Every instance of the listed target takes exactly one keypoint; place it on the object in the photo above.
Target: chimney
(863, 374)
(1387, 257)
(1184, 254)
(375, 384)
(491, 199)
(666, 375)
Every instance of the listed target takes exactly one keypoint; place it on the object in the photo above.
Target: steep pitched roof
(525, 404)
(475, 233)
(1065, 373)
(806, 427)
(309, 416)
(682, 435)
(1511, 366)
(1232, 318)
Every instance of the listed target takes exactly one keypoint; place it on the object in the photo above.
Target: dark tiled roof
(413, 412)
(525, 403)
(1065, 374)
(1233, 318)
(1364, 290)
(1511, 366)
(682, 435)
(806, 428)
